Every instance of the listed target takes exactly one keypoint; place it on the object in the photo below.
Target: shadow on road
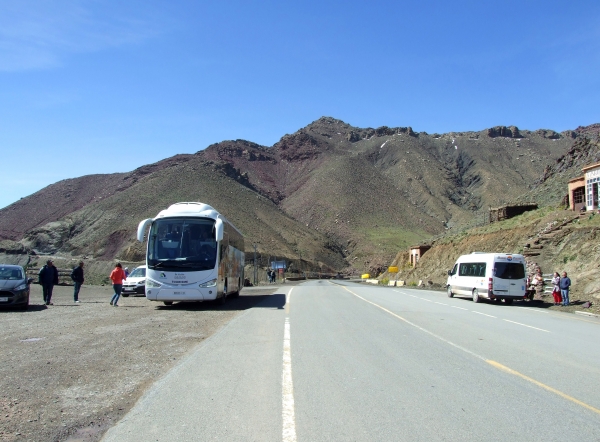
(243, 302)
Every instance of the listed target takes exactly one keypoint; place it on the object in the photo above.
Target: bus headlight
(211, 283)
(152, 284)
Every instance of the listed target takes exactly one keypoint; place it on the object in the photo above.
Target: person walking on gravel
(117, 276)
(48, 278)
(77, 277)
(565, 285)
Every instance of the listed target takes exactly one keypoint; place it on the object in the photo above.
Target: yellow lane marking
(489, 361)
(544, 386)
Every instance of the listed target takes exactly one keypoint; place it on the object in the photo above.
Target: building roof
(591, 166)
(579, 178)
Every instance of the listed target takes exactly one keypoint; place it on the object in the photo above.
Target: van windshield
(509, 270)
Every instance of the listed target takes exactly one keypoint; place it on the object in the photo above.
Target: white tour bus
(193, 254)
(496, 276)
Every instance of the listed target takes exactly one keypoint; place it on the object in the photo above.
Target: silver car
(14, 287)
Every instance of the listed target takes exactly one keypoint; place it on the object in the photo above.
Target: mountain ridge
(354, 196)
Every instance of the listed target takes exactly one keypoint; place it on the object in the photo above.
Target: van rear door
(509, 279)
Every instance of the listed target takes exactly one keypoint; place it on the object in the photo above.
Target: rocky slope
(559, 239)
(330, 194)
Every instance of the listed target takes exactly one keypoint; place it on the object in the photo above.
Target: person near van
(556, 288)
(77, 277)
(538, 283)
(117, 276)
(48, 278)
(565, 285)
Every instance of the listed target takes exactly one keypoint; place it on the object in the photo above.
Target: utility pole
(255, 272)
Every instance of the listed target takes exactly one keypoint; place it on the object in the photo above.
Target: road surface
(335, 360)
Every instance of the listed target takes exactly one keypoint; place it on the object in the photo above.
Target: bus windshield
(182, 244)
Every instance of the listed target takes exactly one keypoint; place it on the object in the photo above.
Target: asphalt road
(330, 361)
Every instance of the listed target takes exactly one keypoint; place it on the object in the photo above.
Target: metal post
(255, 274)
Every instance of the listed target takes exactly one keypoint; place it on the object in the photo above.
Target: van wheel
(449, 291)
(168, 302)
(476, 297)
(508, 301)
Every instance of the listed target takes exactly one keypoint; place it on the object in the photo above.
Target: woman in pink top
(117, 276)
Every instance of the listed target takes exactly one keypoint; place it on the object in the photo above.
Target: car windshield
(140, 272)
(12, 273)
(509, 270)
(182, 243)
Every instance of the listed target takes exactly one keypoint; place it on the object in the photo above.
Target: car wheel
(476, 297)
(449, 291)
(168, 302)
(24, 306)
(124, 295)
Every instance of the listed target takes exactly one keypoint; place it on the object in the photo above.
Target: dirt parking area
(70, 371)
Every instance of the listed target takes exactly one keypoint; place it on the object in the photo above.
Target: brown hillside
(331, 193)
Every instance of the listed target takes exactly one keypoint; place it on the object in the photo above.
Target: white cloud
(39, 35)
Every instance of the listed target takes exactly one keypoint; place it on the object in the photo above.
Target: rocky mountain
(329, 195)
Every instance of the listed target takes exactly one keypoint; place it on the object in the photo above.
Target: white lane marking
(287, 389)
(423, 299)
(440, 303)
(525, 325)
(529, 309)
(461, 308)
(418, 327)
(484, 314)
(287, 301)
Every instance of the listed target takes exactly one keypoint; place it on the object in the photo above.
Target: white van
(496, 276)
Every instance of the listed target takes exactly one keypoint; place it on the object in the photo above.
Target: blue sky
(99, 87)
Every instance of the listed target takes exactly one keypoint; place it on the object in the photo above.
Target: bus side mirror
(219, 229)
(142, 226)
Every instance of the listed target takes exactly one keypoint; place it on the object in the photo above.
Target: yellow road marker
(489, 361)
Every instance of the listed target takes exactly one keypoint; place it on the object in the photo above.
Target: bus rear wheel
(168, 302)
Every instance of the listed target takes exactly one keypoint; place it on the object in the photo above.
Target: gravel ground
(70, 371)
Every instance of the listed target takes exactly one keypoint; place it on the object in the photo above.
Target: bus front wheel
(222, 299)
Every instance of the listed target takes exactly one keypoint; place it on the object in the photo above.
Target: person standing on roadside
(117, 276)
(556, 288)
(77, 277)
(126, 270)
(48, 278)
(565, 285)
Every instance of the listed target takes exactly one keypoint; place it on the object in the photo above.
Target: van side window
(475, 269)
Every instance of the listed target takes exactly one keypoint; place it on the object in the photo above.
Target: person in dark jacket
(48, 278)
(77, 277)
(565, 284)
